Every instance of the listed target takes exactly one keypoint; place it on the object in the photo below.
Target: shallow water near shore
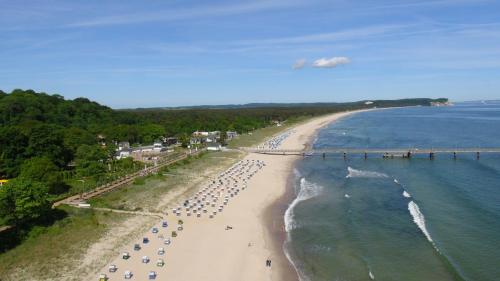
(400, 219)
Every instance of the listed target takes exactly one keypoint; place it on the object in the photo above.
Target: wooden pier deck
(384, 152)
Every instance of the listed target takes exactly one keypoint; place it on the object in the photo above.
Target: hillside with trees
(52, 129)
(48, 143)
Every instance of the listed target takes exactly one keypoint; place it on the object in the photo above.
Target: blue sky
(170, 53)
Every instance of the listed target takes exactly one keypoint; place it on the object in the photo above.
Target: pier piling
(324, 155)
(477, 155)
(431, 155)
(366, 155)
(454, 155)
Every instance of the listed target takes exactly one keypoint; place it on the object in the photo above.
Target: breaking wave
(353, 173)
(307, 190)
(419, 219)
(406, 194)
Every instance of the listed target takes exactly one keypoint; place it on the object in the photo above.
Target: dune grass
(48, 251)
(147, 194)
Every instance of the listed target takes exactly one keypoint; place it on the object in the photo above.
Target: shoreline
(206, 250)
(277, 210)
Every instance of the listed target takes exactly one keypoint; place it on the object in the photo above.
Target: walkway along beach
(223, 233)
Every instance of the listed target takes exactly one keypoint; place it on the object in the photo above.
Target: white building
(214, 146)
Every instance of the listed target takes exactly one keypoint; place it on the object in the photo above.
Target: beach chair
(112, 268)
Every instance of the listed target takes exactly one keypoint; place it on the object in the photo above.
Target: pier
(382, 152)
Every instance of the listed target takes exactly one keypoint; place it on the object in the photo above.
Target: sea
(400, 219)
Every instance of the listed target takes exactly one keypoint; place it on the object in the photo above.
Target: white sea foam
(396, 181)
(406, 194)
(419, 219)
(307, 190)
(353, 173)
(370, 274)
(347, 196)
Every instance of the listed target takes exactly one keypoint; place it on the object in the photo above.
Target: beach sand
(205, 250)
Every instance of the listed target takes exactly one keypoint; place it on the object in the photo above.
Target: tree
(22, 201)
(223, 138)
(151, 132)
(90, 160)
(185, 140)
(42, 170)
(12, 150)
(74, 137)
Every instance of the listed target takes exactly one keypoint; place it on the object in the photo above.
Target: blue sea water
(400, 219)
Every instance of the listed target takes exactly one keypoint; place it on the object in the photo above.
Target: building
(124, 153)
(158, 146)
(200, 134)
(124, 150)
(231, 135)
(170, 141)
(214, 146)
(200, 137)
(213, 137)
(123, 145)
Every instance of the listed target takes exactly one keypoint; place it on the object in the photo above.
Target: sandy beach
(206, 249)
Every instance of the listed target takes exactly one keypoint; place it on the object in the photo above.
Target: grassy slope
(147, 194)
(48, 250)
(260, 135)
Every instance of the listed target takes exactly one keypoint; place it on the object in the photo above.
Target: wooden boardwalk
(79, 198)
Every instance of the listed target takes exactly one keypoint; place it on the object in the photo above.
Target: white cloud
(299, 64)
(330, 62)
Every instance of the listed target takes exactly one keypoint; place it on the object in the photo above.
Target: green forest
(47, 141)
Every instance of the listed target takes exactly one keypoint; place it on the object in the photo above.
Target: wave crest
(307, 190)
(353, 173)
(419, 219)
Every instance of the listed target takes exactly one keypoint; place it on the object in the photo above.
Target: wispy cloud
(191, 13)
(299, 64)
(423, 4)
(347, 34)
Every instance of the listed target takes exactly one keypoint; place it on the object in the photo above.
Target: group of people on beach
(208, 201)
(275, 142)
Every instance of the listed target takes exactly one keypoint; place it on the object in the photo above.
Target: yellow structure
(2, 182)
